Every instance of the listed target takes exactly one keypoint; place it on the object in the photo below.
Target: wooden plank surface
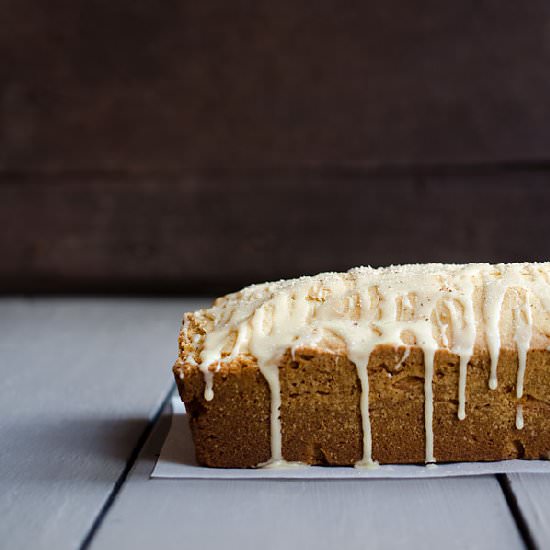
(531, 492)
(453, 513)
(129, 86)
(214, 235)
(81, 379)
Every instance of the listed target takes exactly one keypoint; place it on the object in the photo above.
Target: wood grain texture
(216, 234)
(130, 87)
(531, 493)
(410, 514)
(80, 382)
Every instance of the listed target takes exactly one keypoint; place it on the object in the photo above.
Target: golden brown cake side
(321, 420)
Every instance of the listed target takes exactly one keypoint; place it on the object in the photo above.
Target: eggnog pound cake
(404, 364)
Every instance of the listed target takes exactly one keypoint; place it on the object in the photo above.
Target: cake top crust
(448, 306)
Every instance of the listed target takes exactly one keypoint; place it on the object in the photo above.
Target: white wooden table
(82, 395)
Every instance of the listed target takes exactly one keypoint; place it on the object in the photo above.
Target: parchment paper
(177, 460)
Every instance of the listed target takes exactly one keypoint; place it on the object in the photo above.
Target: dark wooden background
(199, 145)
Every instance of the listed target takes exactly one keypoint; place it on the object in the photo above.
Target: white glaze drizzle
(519, 417)
(522, 337)
(268, 340)
(210, 356)
(492, 306)
(464, 331)
(508, 276)
(360, 344)
(368, 307)
(404, 357)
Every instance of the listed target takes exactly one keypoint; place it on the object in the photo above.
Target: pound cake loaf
(404, 364)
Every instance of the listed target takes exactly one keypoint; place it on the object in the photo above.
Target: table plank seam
(133, 457)
(515, 510)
